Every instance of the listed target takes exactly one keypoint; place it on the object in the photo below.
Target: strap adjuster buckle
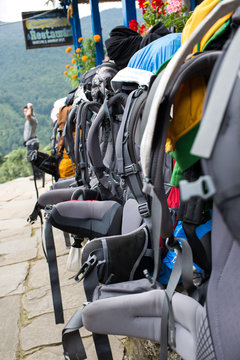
(144, 209)
(131, 169)
(203, 187)
(86, 268)
(47, 211)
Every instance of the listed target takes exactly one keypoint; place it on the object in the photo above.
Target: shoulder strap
(53, 139)
(68, 134)
(86, 116)
(94, 150)
(127, 163)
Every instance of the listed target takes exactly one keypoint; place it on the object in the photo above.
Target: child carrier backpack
(194, 330)
(97, 81)
(127, 256)
(77, 217)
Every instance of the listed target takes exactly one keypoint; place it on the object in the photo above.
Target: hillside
(35, 76)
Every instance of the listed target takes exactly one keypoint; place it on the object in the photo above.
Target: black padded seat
(55, 196)
(88, 218)
(63, 183)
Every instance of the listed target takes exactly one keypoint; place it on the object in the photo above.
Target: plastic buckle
(144, 209)
(86, 268)
(47, 211)
(131, 169)
(149, 278)
(203, 187)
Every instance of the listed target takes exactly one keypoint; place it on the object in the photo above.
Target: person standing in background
(30, 137)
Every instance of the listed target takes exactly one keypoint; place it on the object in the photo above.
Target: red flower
(157, 4)
(142, 29)
(133, 24)
(140, 3)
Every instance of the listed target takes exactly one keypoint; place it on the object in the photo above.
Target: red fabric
(173, 199)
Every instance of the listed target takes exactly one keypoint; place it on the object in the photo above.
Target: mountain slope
(35, 76)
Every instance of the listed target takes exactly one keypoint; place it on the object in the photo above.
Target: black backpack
(97, 81)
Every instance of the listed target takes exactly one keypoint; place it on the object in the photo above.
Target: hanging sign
(46, 29)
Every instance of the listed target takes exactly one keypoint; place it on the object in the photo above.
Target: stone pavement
(27, 325)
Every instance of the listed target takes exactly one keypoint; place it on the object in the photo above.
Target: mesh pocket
(205, 349)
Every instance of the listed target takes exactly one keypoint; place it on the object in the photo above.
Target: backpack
(194, 331)
(97, 81)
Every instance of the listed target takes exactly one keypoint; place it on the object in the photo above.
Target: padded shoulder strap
(83, 125)
(127, 162)
(68, 134)
(94, 150)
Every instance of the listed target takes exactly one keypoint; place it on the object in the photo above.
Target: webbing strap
(128, 167)
(201, 258)
(222, 89)
(35, 180)
(71, 338)
(183, 266)
(82, 146)
(119, 149)
(53, 273)
(156, 216)
(166, 328)
(101, 342)
(73, 348)
(94, 150)
(67, 240)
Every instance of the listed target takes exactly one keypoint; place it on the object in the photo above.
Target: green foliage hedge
(15, 165)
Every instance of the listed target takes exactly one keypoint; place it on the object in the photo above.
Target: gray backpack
(195, 331)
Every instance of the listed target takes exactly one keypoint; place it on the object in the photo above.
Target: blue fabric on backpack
(169, 260)
(152, 56)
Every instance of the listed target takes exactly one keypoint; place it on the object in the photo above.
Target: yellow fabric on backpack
(187, 110)
(66, 166)
(197, 16)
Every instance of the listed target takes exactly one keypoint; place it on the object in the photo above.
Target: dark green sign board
(46, 29)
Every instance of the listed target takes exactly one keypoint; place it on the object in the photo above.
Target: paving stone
(18, 209)
(39, 275)
(12, 278)
(59, 242)
(14, 234)
(9, 317)
(50, 353)
(17, 250)
(43, 331)
(117, 348)
(39, 301)
(21, 187)
(13, 227)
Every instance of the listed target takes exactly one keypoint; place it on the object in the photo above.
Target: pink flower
(174, 6)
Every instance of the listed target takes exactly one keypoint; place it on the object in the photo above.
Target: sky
(10, 10)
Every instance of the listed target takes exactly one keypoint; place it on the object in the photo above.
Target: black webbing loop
(53, 273)
(73, 348)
